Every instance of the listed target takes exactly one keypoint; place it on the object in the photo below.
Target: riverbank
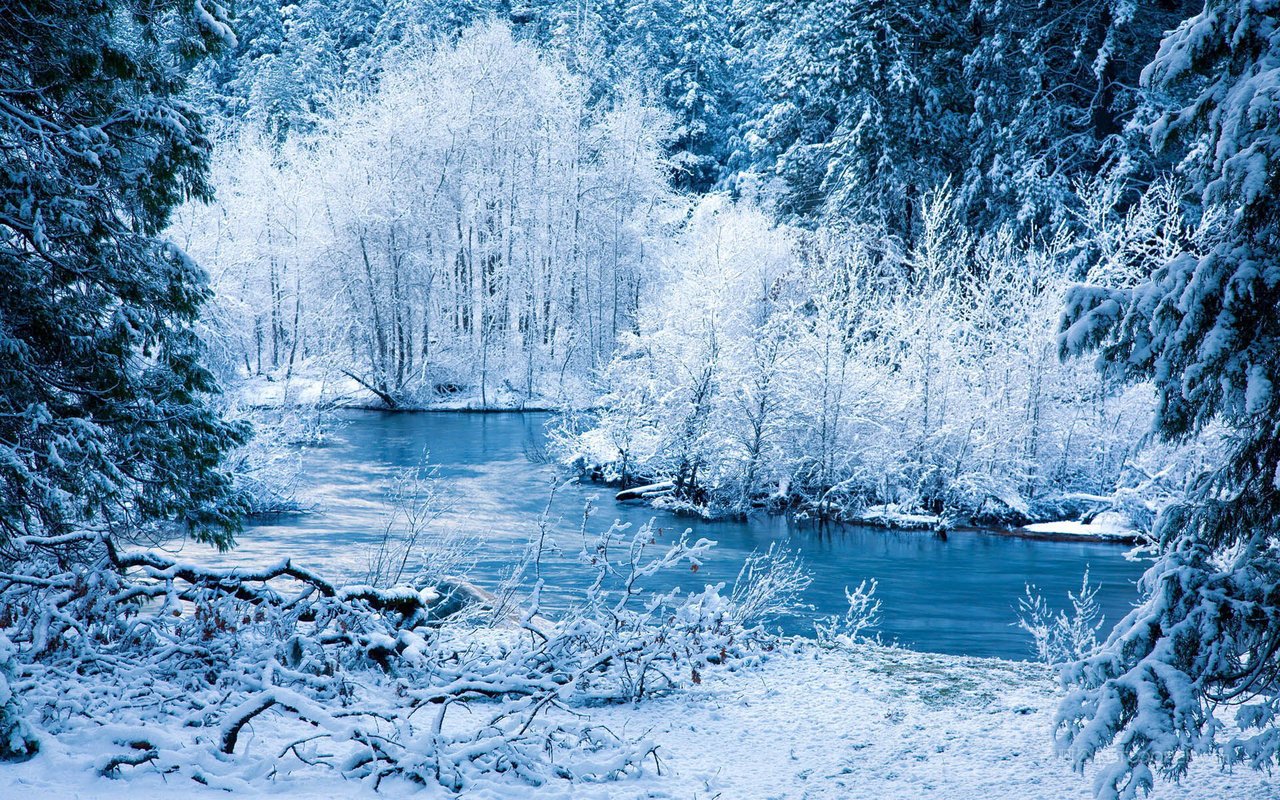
(869, 723)
(1104, 527)
(348, 394)
(344, 392)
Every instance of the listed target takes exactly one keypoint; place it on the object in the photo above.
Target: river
(957, 595)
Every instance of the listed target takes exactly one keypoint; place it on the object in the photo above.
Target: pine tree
(1205, 329)
(1054, 87)
(223, 83)
(292, 90)
(859, 111)
(105, 418)
(686, 46)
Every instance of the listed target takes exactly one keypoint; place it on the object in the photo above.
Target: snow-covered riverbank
(309, 389)
(872, 723)
(310, 392)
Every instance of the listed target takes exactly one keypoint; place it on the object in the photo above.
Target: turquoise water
(954, 596)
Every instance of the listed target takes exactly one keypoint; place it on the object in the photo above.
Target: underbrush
(233, 677)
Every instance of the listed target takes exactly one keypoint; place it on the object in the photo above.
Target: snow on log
(646, 492)
(889, 516)
(1108, 526)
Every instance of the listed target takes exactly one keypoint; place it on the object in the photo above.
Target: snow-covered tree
(861, 108)
(104, 411)
(475, 224)
(834, 370)
(687, 49)
(292, 60)
(17, 741)
(1053, 89)
(1205, 328)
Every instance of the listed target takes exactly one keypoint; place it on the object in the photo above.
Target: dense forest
(779, 253)
(993, 261)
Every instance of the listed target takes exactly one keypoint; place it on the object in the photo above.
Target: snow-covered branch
(357, 679)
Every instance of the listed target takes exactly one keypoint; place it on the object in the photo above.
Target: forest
(656, 249)
(948, 265)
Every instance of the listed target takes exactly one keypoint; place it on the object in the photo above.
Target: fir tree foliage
(856, 110)
(862, 108)
(293, 61)
(1206, 331)
(689, 47)
(1055, 96)
(104, 411)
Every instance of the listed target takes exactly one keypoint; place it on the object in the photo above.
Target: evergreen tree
(221, 82)
(860, 111)
(293, 57)
(584, 35)
(293, 87)
(687, 55)
(1206, 331)
(104, 416)
(1054, 86)
(17, 741)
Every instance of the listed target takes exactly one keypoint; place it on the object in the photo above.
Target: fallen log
(646, 492)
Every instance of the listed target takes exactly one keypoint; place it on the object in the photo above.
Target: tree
(1054, 86)
(473, 224)
(293, 59)
(105, 417)
(686, 58)
(1205, 329)
(860, 111)
(290, 87)
(17, 741)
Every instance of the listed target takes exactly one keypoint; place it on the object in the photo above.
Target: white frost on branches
(361, 680)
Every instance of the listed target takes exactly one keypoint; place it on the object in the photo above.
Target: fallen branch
(383, 396)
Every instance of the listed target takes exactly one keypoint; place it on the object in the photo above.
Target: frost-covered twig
(862, 613)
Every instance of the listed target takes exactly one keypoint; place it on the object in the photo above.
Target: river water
(957, 595)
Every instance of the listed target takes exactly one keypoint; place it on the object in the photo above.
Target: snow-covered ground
(1107, 525)
(874, 723)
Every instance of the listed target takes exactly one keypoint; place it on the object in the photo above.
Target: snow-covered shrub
(769, 585)
(1060, 636)
(638, 642)
(177, 662)
(862, 614)
(1164, 473)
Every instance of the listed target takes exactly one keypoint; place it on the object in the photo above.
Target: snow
(1258, 390)
(646, 492)
(863, 723)
(890, 517)
(1107, 525)
(310, 387)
